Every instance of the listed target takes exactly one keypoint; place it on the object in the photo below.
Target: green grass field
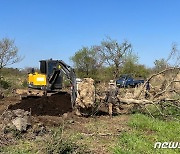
(145, 131)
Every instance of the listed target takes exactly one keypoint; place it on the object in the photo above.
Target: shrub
(4, 84)
(57, 144)
(25, 83)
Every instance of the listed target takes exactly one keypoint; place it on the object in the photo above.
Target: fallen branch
(100, 134)
(165, 90)
(155, 103)
(135, 101)
(148, 80)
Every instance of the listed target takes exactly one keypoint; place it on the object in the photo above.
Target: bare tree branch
(8, 53)
(112, 53)
(152, 76)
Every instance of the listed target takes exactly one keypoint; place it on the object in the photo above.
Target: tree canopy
(86, 62)
(113, 53)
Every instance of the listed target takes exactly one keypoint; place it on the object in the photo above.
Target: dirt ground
(97, 132)
(47, 110)
(54, 105)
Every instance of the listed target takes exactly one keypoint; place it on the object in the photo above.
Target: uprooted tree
(8, 53)
(164, 93)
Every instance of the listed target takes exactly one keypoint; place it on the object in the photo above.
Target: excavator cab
(50, 77)
(53, 72)
(49, 73)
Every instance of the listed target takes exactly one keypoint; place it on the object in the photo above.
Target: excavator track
(24, 93)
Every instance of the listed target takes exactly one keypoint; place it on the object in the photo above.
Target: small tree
(113, 53)
(8, 53)
(85, 62)
(130, 63)
(173, 59)
(175, 55)
(160, 65)
(132, 67)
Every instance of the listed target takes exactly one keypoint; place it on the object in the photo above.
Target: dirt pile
(19, 124)
(86, 93)
(54, 105)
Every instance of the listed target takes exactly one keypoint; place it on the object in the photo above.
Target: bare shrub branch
(8, 53)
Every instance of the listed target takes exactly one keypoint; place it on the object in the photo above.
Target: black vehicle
(127, 81)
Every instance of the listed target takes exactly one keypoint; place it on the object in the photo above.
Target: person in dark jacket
(112, 99)
(147, 89)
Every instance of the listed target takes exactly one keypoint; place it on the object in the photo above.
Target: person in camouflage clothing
(112, 99)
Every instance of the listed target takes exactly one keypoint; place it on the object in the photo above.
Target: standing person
(111, 99)
(147, 89)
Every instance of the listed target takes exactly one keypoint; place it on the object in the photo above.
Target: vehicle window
(51, 66)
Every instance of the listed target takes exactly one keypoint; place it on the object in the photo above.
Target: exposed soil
(54, 105)
(98, 132)
(49, 110)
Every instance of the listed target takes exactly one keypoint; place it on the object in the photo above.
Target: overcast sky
(56, 29)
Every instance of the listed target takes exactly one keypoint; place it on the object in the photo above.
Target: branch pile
(164, 93)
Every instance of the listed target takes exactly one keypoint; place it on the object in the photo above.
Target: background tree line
(108, 61)
(111, 59)
(105, 61)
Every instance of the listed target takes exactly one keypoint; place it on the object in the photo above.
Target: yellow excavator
(50, 78)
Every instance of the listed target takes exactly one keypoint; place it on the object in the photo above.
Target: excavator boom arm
(70, 74)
